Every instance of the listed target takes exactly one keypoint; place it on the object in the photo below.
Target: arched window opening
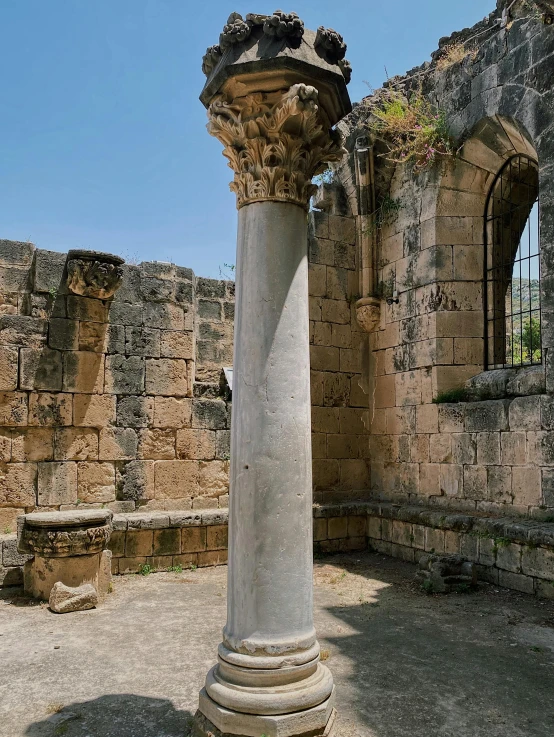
(512, 269)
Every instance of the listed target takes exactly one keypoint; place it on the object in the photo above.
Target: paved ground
(405, 664)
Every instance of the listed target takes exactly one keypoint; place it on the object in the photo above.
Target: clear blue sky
(103, 143)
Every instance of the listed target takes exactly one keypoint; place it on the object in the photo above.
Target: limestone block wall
(490, 455)
(120, 402)
(215, 313)
(340, 439)
(100, 404)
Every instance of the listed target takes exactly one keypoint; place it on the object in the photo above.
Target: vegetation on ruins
(451, 396)
(523, 345)
(386, 212)
(414, 129)
(454, 54)
(227, 272)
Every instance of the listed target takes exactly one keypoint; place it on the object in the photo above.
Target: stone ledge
(515, 553)
(521, 531)
(161, 520)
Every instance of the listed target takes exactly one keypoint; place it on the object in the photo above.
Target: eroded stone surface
(67, 599)
(444, 573)
(94, 274)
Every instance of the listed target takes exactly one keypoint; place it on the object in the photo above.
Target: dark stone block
(206, 390)
(40, 368)
(129, 291)
(209, 413)
(345, 256)
(535, 114)
(460, 97)
(116, 339)
(486, 416)
(181, 272)
(50, 272)
(63, 334)
(132, 480)
(16, 253)
(163, 315)
(134, 411)
(542, 44)
(117, 543)
(510, 99)
(142, 342)
(158, 269)
(210, 351)
(547, 412)
(223, 444)
(229, 311)
(209, 331)
(127, 440)
(514, 64)
(211, 288)
(125, 314)
(184, 292)
(167, 542)
(127, 374)
(157, 290)
(209, 310)
(22, 331)
(14, 279)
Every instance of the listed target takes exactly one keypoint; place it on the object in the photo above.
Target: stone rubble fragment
(68, 599)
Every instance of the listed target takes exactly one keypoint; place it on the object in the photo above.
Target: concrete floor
(405, 664)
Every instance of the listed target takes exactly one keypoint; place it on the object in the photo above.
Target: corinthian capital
(275, 143)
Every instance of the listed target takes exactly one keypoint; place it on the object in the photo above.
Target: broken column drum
(68, 547)
(273, 93)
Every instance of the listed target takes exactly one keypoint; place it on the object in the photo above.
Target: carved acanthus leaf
(275, 143)
(63, 543)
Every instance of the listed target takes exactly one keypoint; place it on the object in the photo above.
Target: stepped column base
(213, 720)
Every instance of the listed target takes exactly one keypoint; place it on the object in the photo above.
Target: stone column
(276, 131)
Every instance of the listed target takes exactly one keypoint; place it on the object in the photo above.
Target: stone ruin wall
(120, 403)
(494, 456)
(340, 439)
(99, 404)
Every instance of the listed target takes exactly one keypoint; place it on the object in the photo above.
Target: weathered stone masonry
(99, 403)
(492, 455)
(119, 403)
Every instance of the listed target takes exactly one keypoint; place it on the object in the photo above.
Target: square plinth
(213, 719)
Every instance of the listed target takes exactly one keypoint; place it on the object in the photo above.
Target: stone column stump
(70, 547)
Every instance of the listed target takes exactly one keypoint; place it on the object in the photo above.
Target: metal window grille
(512, 267)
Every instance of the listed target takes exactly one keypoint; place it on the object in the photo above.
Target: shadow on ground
(411, 665)
(120, 715)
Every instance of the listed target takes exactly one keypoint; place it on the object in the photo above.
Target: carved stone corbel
(94, 274)
(368, 313)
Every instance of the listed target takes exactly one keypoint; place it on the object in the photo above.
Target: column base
(213, 720)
